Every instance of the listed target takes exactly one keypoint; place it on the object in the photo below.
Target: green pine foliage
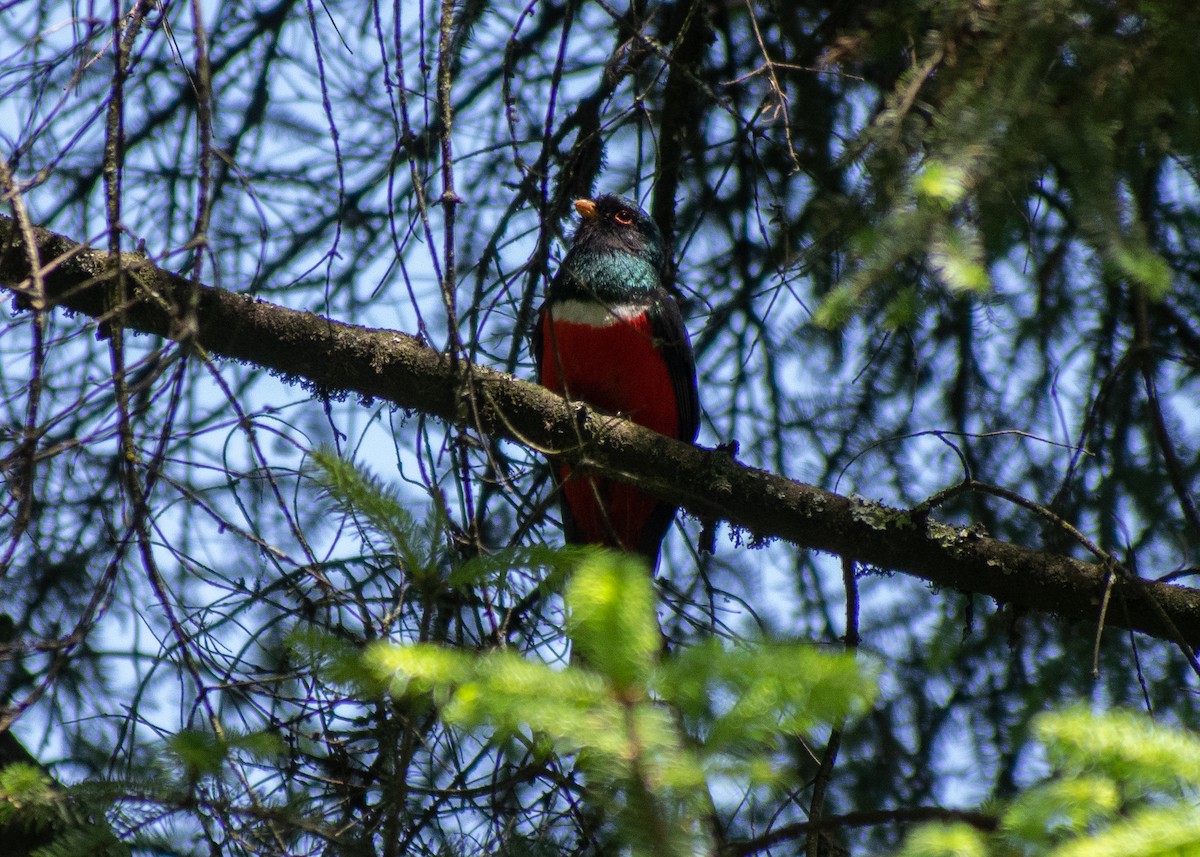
(1122, 786)
(28, 798)
(384, 520)
(39, 818)
(651, 733)
(203, 754)
(416, 548)
(955, 157)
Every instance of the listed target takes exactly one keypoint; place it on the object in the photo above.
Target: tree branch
(385, 364)
(983, 821)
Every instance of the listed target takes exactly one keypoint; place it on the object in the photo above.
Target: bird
(610, 335)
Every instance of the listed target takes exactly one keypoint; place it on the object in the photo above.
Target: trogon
(610, 335)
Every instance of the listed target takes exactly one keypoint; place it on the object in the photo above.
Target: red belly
(617, 368)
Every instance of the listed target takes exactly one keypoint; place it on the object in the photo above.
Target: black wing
(666, 325)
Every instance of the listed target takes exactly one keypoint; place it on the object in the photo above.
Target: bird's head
(614, 224)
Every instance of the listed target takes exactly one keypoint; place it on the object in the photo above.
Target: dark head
(614, 224)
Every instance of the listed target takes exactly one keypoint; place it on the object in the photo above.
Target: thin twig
(813, 839)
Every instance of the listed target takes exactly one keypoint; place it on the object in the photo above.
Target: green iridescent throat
(608, 277)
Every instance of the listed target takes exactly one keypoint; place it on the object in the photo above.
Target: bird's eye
(624, 217)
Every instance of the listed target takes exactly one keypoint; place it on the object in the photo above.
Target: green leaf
(21, 780)
(333, 658)
(1128, 747)
(1158, 832)
(378, 507)
(754, 692)
(260, 745)
(837, 308)
(419, 668)
(903, 309)
(201, 753)
(512, 693)
(957, 260)
(945, 840)
(612, 622)
(606, 710)
(490, 568)
(1144, 267)
(943, 183)
(1070, 805)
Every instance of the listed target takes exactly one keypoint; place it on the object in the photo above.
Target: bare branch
(385, 364)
